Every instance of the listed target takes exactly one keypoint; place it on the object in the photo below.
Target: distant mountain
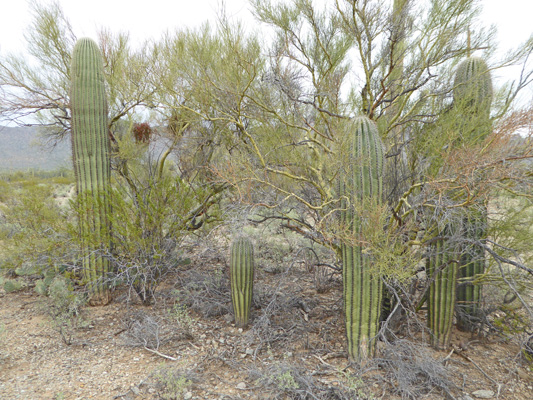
(22, 148)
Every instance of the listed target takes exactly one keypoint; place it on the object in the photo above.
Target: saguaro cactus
(360, 185)
(441, 267)
(473, 97)
(242, 279)
(90, 150)
(472, 90)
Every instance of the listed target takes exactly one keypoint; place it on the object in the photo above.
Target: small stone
(239, 330)
(187, 396)
(289, 354)
(249, 351)
(135, 390)
(136, 359)
(483, 394)
(151, 390)
(222, 340)
(241, 386)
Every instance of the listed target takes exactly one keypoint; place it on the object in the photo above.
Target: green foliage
(35, 229)
(13, 285)
(242, 279)
(150, 219)
(172, 382)
(181, 316)
(65, 308)
(91, 148)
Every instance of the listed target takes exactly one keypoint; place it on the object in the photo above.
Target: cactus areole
(242, 279)
(90, 151)
(360, 185)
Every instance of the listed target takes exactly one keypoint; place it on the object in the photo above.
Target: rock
(135, 390)
(187, 396)
(241, 386)
(483, 394)
(249, 351)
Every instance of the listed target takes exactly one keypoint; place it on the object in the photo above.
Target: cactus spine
(242, 279)
(360, 186)
(90, 149)
(473, 96)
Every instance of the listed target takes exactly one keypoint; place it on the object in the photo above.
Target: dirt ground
(293, 350)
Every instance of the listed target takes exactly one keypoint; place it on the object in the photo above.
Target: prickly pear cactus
(360, 185)
(90, 151)
(242, 279)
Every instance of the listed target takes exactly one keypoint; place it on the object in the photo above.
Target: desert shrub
(283, 380)
(154, 210)
(36, 231)
(172, 383)
(411, 371)
(65, 307)
(205, 293)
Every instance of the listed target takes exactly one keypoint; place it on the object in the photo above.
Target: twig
(448, 357)
(498, 385)
(160, 354)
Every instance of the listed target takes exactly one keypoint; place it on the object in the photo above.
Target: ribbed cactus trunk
(90, 149)
(242, 279)
(441, 267)
(472, 264)
(472, 97)
(360, 186)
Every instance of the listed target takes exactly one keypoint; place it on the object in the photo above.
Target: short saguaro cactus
(242, 279)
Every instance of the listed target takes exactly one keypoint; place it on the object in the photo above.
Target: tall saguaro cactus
(360, 185)
(473, 97)
(242, 279)
(90, 150)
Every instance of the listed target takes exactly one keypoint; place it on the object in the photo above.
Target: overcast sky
(149, 18)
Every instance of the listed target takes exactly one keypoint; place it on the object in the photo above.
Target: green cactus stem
(472, 95)
(441, 268)
(242, 279)
(360, 186)
(472, 265)
(90, 150)
(473, 86)
(472, 98)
